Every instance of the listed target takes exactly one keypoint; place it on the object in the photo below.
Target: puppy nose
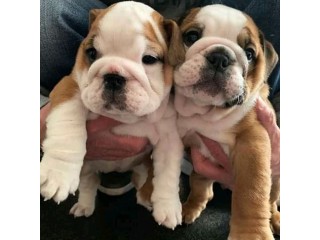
(113, 81)
(219, 60)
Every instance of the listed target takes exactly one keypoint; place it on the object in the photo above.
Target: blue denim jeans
(64, 23)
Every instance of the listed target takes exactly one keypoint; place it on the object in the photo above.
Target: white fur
(221, 21)
(214, 123)
(165, 197)
(167, 157)
(122, 44)
(64, 149)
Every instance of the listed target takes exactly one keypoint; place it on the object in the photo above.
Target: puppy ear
(271, 57)
(176, 51)
(270, 54)
(93, 15)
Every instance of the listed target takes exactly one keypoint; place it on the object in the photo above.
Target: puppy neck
(222, 118)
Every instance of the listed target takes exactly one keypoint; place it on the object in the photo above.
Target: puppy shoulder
(65, 90)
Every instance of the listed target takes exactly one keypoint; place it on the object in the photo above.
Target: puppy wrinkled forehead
(221, 21)
(122, 29)
(126, 16)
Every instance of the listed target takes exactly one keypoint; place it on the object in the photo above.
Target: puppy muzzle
(214, 73)
(115, 71)
(219, 51)
(118, 86)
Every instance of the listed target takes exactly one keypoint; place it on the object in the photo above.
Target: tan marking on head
(158, 47)
(189, 20)
(250, 37)
(63, 91)
(82, 62)
(159, 20)
(95, 16)
(154, 42)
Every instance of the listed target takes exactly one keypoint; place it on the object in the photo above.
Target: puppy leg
(250, 213)
(65, 144)
(200, 193)
(167, 157)
(142, 178)
(89, 182)
(275, 214)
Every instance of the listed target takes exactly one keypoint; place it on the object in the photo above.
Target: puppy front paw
(79, 210)
(191, 211)
(58, 179)
(275, 223)
(167, 213)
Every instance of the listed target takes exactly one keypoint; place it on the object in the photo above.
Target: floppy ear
(93, 15)
(271, 57)
(270, 54)
(176, 51)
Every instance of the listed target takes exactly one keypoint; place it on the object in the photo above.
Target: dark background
(120, 218)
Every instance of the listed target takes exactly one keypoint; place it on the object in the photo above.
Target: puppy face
(122, 65)
(226, 57)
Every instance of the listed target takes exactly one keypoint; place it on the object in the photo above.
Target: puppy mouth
(114, 100)
(237, 100)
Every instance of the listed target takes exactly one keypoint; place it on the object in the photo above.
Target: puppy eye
(91, 54)
(191, 37)
(250, 53)
(148, 59)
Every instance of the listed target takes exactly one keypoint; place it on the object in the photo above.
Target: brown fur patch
(146, 189)
(154, 42)
(159, 47)
(249, 37)
(252, 184)
(275, 223)
(176, 54)
(63, 91)
(176, 49)
(168, 74)
(189, 20)
(98, 14)
(95, 17)
(201, 193)
(158, 19)
(82, 63)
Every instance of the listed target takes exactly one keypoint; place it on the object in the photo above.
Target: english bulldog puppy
(224, 71)
(122, 71)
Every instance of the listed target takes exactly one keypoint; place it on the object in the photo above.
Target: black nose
(219, 60)
(113, 81)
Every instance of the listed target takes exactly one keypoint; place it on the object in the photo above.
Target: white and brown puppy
(121, 71)
(226, 66)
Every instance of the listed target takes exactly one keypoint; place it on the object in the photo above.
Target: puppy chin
(237, 100)
(134, 101)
